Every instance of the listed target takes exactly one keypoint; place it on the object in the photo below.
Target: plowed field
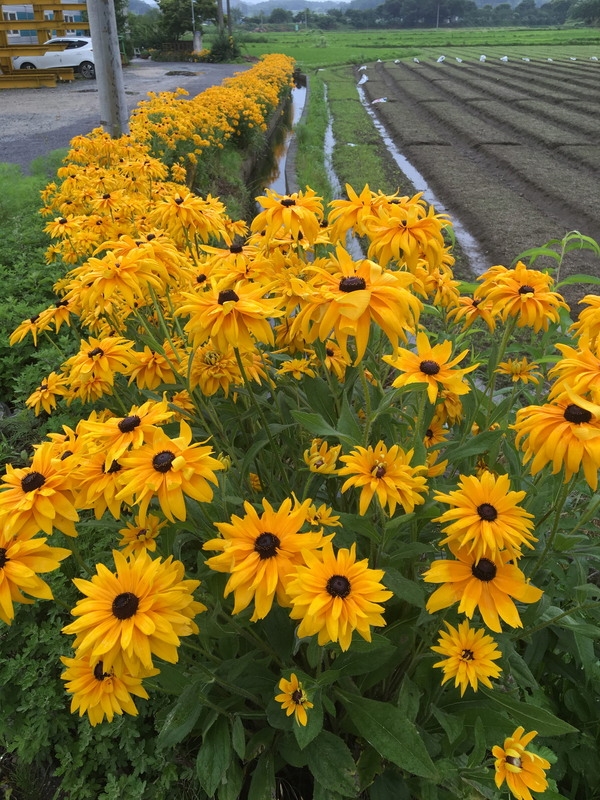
(512, 149)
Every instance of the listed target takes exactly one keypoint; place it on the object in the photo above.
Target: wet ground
(35, 121)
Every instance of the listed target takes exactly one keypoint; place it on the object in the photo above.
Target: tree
(587, 10)
(146, 31)
(177, 16)
(279, 16)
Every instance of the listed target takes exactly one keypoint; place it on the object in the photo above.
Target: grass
(315, 49)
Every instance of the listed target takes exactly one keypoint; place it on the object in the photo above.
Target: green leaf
(348, 424)
(315, 424)
(364, 657)
(262, 786)
(306, 733)
(321, 399)
(405, 589)
(476, 445)
(571, 279)
(183, 716)
(408, 699)
(332, 765)
(530, 717)
(479, 748)
(452, 726)
(214, 757)
(238, 737)
(231, 785)
(388, 731)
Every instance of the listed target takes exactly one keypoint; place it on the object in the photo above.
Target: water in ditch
(272, 171)
(469, 245)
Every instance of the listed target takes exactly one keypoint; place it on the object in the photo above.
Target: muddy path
(511, 150)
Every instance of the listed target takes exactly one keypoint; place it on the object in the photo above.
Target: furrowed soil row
(515, 169)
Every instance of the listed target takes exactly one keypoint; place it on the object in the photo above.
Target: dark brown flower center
(329, 352)
(128, 424)
(266, 545)
(99, 673)
(179, 200)
(114, 467)
(34, 318)
(467, 655)
(97, 351)
(63, 220)
(201, 278)
(3, 558)
(150, 237)
(106, 196)
(379, 471)
(163, 461)
(429, 367)
(288, 201)
(236, 248)
(476, 302)
(353, 284)
(66, 454)
(338, 586)
(125, 605)
(484, 570)
(575, 414)
(526, 289)
(429, 433)
(513, 761)
(226, 296)
(487, 512)
(34, 480)
(297, 697)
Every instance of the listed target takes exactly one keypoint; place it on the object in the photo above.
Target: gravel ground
(36, 121)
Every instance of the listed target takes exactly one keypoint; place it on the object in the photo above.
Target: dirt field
(511, 148)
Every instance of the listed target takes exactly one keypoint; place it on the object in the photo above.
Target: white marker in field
(440, 59)
(503, 58)
(482, 58)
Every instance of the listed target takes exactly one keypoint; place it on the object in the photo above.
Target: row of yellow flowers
(178, 304)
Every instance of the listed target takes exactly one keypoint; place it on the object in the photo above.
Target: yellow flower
(348, 295)
(321, 457)
(349, 215)
(97, 486)
(33, 325)
(293, 699)
(260, 553)
(432, 366)
(298, 367)
(38, 497)
(578, 370)
(488, 583)
(386, 473)
(322, 516)
(138, 536)
(334, 595)
(520, 768)
(470, 309)
(469, 656)
(588, 321)
(519, 370)
(45, 395)
(20, 561)
(150, 369)
(565, 433)
(99, 693)
(230, 317)
(485, 516)
(335, 360)
(212, 370)
(255, 482)
(168, 469)
(297, 213)
(138, 612)
(521, 293)
(100, 359)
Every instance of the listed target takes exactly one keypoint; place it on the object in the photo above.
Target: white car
(78, 54)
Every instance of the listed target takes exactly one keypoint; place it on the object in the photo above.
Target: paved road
(35, 121)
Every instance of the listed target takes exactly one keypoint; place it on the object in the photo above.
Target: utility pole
(109, 72)
(197, 43)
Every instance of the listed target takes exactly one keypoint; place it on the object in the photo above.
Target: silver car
(77, 53)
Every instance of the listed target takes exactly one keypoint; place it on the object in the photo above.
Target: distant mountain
(317, 6)
(141, 7)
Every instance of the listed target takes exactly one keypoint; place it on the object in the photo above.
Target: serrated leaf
(331, 764)
(388, 731)
(214, 756)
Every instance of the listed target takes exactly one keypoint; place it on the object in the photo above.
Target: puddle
(469, 245)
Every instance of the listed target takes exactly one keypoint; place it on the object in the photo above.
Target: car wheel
(28, 65)
(87, 69)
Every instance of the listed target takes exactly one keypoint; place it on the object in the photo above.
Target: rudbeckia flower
(212, 370)
(588, 321)
(37, 497)
(488, 583)
(20, 562)
(519, 369)
(522, 293)
(260, 553)
(101, 359)
(578, 370)
(101, 693)
(168, 469)
(386, 473)
(565, 434)
(300, 212)
(33, 325)
(348, 295)
(432, 366)
(349, 215)
(470, 309)
(321, 457)
(469, 656)
(293, 699)
(520, 768)
(138, 536)
(485, 516)
(334, 595)
(230, 317)
(138, 612)
(45, 395)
